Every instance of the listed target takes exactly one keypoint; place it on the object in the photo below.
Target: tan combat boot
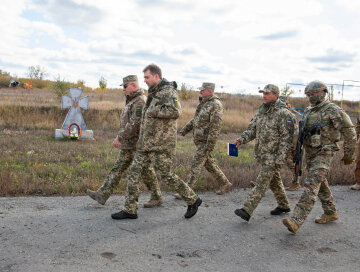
(224, 189)
(153, 203)
(291, 225)
(293, 187)
(96, 196)
(355, 187)
(177, 196)
(325, 218)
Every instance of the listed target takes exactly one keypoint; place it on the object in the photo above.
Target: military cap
(270, 88)
(207, 85)
(129, 78)
(315, 86)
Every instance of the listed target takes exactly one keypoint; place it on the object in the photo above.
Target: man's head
(207, 89)
(130, 84)
(270, 93)
(152, 75)
(316, 92)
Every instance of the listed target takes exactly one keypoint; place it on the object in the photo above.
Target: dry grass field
(32, 162)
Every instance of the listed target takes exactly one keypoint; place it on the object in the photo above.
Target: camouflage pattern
(319, 151)
(122, 163)
(156, 145)
(357, 167)
(270, 88)
(273, 131)
(128, 135)
(206, 126)
(204, 158)
(130, 78)
(269, 176)
(162, 162)
(315, 86)
(159, 119)
(130, 120)
(207, 85)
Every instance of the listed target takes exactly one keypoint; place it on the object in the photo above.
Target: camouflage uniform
(273, 130)
(156, 145)
(357, 167)
(320, 146)
(206, 126)
(128, 135)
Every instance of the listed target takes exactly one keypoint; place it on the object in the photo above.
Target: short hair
(154, 70)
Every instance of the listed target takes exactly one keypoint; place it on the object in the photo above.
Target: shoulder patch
(138, 111)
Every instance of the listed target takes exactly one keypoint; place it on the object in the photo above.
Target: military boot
(325, 218)
(153, 203)
(192, 209)
(177, 196)
(123, 215)
(243, 214)
(278, 211)
(293, 187)
(291, 225)
(355, 187)
(224, 189)
(96, 196)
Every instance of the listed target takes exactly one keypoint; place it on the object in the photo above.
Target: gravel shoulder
(77, 234)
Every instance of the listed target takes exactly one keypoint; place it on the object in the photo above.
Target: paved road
(77, 234)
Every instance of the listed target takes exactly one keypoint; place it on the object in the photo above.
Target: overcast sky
(239, 45)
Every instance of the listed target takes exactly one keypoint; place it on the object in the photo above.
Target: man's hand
(181, 134)
(237, 143)
(116, 143)
(347, 160)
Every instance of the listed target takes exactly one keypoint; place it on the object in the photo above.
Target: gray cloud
(279, 35)
(333, 56)
(186, 51)
(328, 69)
(164, 3)
(10, 65)
(204, 70)
(68, 12)
(193, 76)
(163, 57)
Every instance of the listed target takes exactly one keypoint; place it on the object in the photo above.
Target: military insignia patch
(176, 102)
(138, 111)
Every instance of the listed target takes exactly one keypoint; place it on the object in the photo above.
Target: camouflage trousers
(315, 184)
(203, 158)
(162, 162)
(122, 163)
(269, 176)
(357, 167)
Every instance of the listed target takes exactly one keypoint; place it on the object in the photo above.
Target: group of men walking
(147, 140)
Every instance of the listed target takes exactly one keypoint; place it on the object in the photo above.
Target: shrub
(102, 83)
(59, 86)
(186, 92)
(37, 72)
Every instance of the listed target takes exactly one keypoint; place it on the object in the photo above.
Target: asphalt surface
(77, 234)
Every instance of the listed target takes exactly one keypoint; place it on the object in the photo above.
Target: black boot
(278, 211)
(243, 214)
(123, 215)
(192, 209)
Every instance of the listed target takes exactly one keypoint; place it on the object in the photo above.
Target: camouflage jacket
(130, 120)
(159, 118)
(273, 131)
(331, 122)
(206, 124)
